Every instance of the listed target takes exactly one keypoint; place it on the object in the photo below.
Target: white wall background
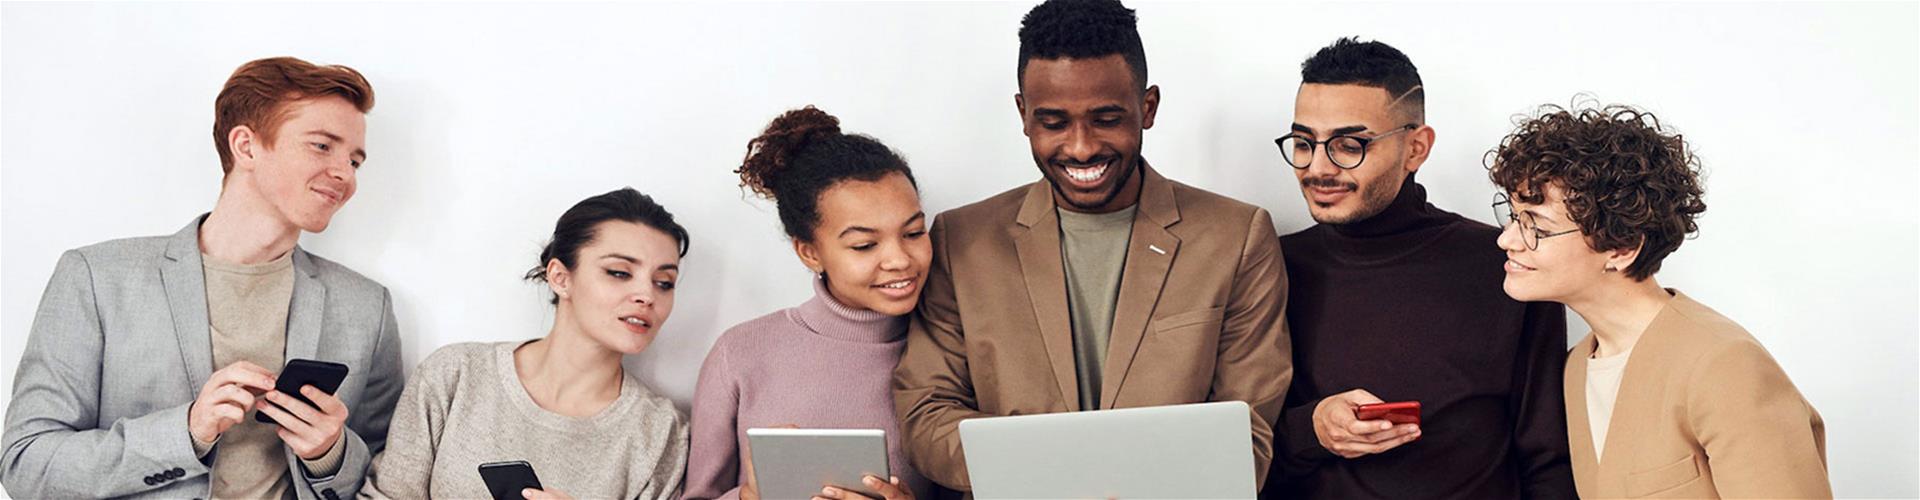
(493, 118)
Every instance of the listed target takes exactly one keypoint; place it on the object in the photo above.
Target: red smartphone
(1404, 412)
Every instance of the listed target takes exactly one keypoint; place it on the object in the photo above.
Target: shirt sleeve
(713, 462)
(1762, 438)
(1538, 404)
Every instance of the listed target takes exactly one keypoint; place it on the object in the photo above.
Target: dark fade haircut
(1082, 29)
(580, 226)
(1350, 61)
(1629, 182)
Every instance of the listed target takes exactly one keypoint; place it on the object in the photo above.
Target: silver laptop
(1185, 451)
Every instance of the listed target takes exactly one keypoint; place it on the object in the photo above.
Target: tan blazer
(1200, 317)
(1703, 412)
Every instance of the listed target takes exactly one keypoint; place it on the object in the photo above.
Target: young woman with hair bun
(852, 210)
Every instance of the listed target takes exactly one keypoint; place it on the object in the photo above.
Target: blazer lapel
(186, 288)
(1150, 253)
(1579, 427)
(309, 306)
(1037, 239)
(1638, 401)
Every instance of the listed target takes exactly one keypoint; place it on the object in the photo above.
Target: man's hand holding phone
(224, 400)
(310, 430)
(311, 421)
(1344, 434)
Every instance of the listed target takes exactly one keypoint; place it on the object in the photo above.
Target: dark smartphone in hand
(323, 375)
(1404, 412)
(506, 479)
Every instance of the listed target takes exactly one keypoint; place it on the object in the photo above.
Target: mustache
(1096, 160)
(1328, 182)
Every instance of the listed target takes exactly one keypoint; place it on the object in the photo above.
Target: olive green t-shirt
(1094, 250)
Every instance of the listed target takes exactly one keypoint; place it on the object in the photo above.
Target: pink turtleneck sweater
(819, 365)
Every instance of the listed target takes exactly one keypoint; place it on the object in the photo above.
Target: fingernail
(829, 491)
(871, 481)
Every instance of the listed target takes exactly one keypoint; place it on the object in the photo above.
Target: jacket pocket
(1189, 318)
(1663, 478)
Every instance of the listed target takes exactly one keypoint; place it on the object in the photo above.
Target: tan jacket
(1703, 412)
(1200, 317)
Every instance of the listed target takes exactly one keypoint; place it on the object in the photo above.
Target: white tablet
(796, 463)
(1185, 451)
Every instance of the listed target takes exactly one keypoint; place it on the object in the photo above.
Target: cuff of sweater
(200, 449)
(1303, 445)
(327, 464)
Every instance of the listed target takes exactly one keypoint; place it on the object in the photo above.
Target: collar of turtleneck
(829, 318)
(1405, 225)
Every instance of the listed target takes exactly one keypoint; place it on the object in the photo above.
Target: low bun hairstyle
(578, 227)
(801, 154)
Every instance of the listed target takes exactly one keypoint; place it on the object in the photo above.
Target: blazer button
(149, 480)
(179, 472)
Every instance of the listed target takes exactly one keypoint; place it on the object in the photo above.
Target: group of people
(1104, 284)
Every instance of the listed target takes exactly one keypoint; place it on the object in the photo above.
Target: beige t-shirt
(1094, 250)
(247, 316)
(247, 308)
(1603, 389)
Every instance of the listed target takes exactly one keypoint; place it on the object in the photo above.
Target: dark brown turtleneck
(1408, 305)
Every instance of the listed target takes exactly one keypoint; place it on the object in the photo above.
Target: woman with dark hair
(1666, 397)
(851, 208)
(562, 403)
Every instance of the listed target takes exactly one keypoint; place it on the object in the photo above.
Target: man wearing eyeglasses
(1394, 300)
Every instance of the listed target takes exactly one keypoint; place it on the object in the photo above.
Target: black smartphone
(507, 479)
(323, 375)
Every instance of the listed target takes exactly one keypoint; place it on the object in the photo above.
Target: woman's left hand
(533, 494)
(889, 490)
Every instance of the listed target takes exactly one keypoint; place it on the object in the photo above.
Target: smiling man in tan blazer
(1103, 285)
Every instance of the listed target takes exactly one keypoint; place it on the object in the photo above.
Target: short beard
(1374, 198)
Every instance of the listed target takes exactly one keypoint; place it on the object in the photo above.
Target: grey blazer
(120, 347)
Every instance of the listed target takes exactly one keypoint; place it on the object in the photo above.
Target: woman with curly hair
(1666, 397)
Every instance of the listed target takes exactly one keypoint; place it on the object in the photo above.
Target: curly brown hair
(1628, 181)
(801, 154)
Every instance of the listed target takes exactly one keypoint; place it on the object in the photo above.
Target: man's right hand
(1349, 437)
(225, 399)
